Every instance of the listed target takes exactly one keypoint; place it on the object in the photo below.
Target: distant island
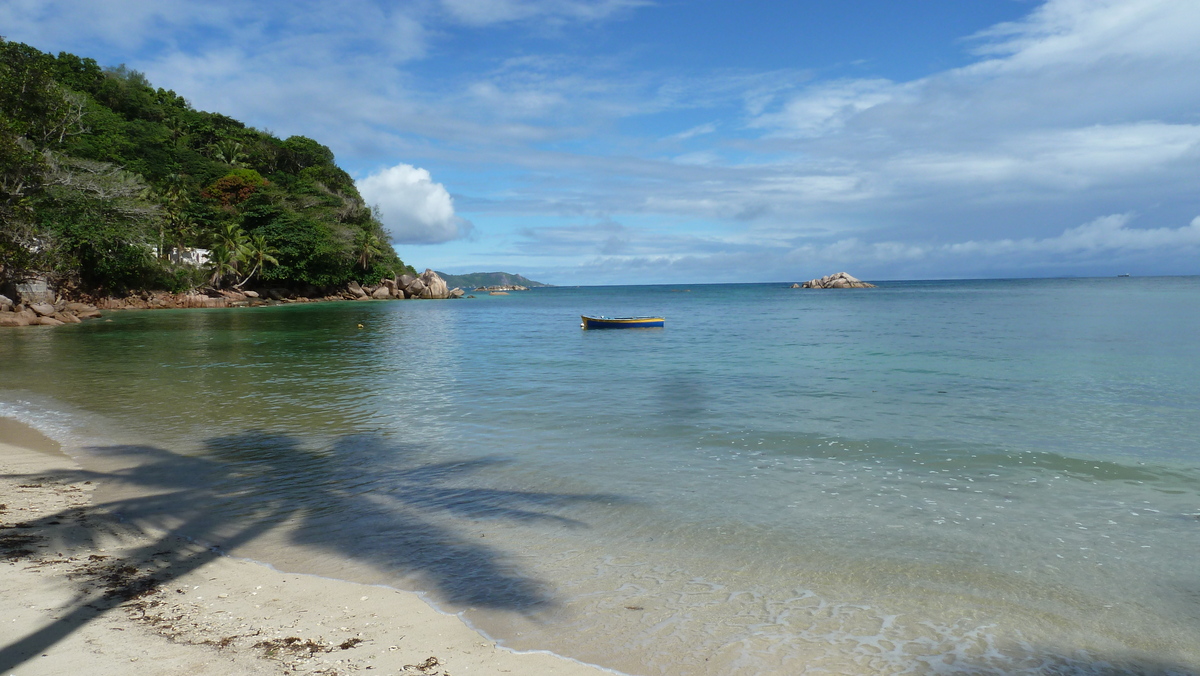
(477, 280)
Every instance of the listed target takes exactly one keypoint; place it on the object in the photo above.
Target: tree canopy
(101, 174)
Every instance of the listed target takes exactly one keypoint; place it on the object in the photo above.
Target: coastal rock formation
(44, 314)
(29, 312)
(414, 288)
(82, 310)
(435, 286)
(35, 290)
(839, 280)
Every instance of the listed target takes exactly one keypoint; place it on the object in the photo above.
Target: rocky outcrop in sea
(838, 280)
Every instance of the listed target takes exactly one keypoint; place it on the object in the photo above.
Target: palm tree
(176, 191)
(229, 152)
(234, 240)
(175, 221)
(220, 263)
(368, 245)
(178, 129)
(183, 230)
(261, 253)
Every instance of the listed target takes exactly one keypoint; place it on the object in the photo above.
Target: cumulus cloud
(412, 207)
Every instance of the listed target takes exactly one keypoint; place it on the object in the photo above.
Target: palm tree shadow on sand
(364, 498)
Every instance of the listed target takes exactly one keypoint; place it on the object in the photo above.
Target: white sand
(67, 608)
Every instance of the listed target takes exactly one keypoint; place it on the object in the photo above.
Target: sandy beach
(84, 591)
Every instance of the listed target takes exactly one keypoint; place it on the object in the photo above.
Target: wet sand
(85, 591)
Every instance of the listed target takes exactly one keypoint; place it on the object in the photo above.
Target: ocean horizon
(937, 476)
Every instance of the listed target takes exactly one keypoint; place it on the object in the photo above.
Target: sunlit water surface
(929, 477)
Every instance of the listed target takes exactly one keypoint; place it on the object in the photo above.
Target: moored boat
(620, 322)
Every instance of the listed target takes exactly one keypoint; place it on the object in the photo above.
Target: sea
(928, 477)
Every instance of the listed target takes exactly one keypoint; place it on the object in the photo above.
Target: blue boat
(620, 322)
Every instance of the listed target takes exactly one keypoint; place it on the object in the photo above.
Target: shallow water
(953, 477)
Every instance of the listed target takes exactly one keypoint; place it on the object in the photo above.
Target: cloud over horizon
(413, 208)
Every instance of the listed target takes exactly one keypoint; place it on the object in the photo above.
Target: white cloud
(825, 108)
(1062, 32)
(1107, 233)
(698, 130)
(50, 24)
(1057, 159)
(612, 253)
(523, 102)
(413, 208)
(698, 158)
(484, 12)
(1104, 235)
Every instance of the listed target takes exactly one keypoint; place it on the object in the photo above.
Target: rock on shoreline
(34, 313)
(44, 314)
(838, 280)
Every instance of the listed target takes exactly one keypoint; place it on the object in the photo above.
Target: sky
(693, 141)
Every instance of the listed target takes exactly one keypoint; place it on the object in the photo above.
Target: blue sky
(647, 141)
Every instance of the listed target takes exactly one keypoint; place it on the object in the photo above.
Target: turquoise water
(928, 477)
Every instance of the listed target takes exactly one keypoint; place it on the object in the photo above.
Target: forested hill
(102, 174)
(475, 280)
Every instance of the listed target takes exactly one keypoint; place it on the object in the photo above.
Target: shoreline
(51, 309)
(83, 586)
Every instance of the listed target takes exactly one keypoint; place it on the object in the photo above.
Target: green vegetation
(101, 175)
(475, 280)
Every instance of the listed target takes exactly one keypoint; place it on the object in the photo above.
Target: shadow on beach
(363, 498)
